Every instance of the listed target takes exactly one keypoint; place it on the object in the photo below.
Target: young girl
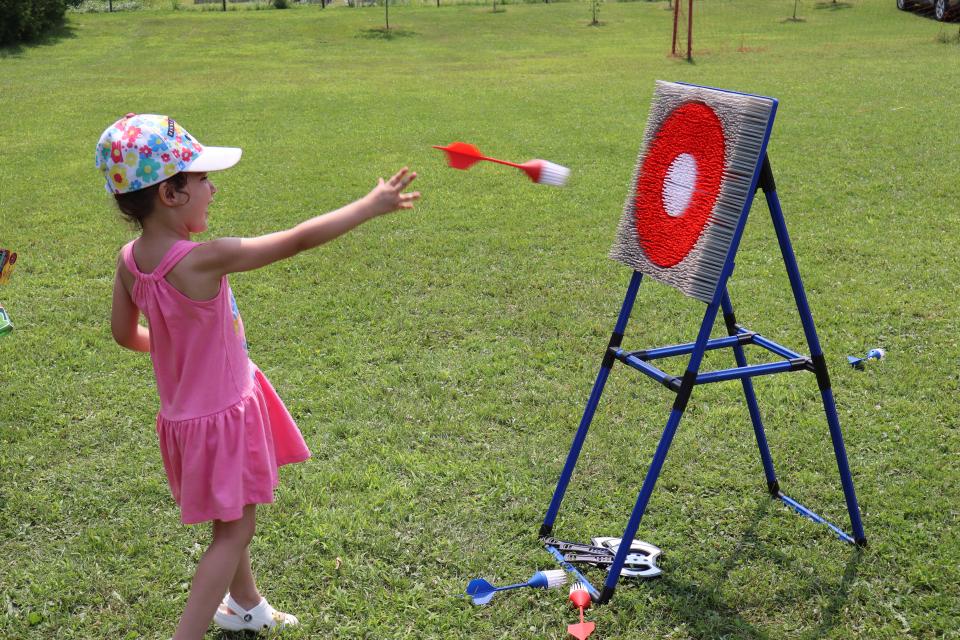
(223, 430)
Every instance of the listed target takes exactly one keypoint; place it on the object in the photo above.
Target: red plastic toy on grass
(461, 155)
(580, 598)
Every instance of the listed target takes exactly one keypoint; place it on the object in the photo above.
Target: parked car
(942, 9)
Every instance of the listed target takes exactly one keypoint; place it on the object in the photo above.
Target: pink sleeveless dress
(223, 429)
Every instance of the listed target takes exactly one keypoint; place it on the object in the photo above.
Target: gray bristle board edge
(745, 120)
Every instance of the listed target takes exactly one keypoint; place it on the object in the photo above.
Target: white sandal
(262, 617)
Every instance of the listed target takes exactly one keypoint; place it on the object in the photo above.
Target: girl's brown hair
(136, 206)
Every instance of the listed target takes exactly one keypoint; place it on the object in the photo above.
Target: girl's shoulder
(124, 272)
(192, 275)
(209, 257)
(198, 254)
(157, 257)
(126, 261)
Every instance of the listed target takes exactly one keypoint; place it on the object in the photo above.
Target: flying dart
(482, 591)
(461, 155)
(580, 598)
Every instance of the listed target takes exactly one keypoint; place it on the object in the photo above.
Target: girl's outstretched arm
(229, 255)
(125, 317)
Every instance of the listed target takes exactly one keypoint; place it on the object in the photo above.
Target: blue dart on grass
(860, 363)
(482, 591)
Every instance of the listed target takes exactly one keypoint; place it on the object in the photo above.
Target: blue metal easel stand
(737, 336)
(581, 435)
(817, 358)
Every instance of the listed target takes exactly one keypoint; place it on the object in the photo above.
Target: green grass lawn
(438, 361)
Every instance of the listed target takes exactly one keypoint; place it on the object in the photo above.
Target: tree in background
(595, 6)
(795, 18)
(30, 20)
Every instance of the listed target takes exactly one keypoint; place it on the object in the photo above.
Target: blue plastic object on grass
(481, 591)
(860, 363)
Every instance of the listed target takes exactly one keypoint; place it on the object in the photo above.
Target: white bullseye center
(679, 184)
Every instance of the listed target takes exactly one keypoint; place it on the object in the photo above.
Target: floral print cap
(140, 150)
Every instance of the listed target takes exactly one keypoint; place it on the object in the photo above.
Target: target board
(692, 183)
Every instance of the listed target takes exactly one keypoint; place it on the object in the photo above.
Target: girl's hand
(388, 195)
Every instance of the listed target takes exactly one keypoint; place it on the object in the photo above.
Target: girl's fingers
(404, 183)
(398, 177)
(407, 199)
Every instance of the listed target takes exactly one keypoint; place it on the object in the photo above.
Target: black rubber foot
(774, 488)
(606, 595)
(862, 543)
(545, 530)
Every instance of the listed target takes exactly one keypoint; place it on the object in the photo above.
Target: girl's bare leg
(243, 587)
(215, 572)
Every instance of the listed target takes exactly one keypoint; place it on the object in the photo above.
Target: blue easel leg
(816, 355)
(592, 403)
(730, 320)
(679, 406)
(846, 478)
(630, 533)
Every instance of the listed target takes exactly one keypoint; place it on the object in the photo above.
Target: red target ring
(679, 183)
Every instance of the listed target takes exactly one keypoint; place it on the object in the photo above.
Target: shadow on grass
(223, 634)
(703, 608)
(948, 38)
(833, 6)
(831, 615)
(52, 37)
(926, 13)
(382, 33)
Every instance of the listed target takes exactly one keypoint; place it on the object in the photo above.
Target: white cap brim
(215, 159)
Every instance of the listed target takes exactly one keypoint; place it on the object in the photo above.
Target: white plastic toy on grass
(642, 560)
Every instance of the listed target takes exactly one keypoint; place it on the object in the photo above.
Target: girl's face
(201, 192)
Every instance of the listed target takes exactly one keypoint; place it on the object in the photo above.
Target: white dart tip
(577, 586)
(555, 578)
(553, 174)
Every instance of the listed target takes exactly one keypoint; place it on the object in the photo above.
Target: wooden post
(676, 17)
